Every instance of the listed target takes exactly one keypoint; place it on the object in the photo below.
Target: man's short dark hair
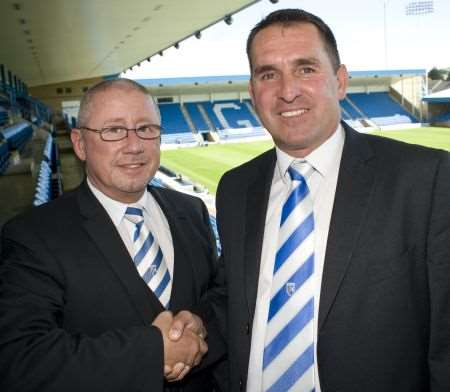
(291, 16)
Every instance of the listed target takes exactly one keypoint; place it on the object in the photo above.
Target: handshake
(184, 344)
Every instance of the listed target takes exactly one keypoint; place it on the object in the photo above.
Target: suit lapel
(355, 185)
(256, 207)
(106, 237)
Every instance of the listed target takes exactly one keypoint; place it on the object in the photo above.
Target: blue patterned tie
(288, 361)
(148, 257)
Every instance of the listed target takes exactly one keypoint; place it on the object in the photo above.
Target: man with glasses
(106, 288)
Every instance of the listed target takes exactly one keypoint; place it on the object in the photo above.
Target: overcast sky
(410, 42)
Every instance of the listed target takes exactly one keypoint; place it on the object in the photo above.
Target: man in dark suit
(367, 307)
(81, 308)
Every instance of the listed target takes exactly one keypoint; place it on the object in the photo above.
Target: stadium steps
(364, 119)
(206, 117)
(188, 118)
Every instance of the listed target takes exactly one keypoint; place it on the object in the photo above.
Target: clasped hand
(184, 344)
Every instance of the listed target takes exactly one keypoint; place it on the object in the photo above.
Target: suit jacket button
(241, 384)
(247, 329)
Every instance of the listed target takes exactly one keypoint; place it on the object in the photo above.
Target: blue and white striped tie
(148, 257)
(288, 362)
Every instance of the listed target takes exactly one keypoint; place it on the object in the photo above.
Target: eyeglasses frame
(101, 131)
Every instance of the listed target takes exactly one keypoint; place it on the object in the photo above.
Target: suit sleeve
(439, 280)
(38, 354)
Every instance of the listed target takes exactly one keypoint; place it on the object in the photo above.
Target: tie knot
(134, 214)
(300, 170)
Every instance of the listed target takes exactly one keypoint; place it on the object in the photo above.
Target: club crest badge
(290, 288)
(152, 270)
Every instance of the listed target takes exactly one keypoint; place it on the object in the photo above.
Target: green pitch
(205, 165)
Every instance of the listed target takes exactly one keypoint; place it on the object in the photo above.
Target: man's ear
(342, 77)
(78, 143)
(250, 91)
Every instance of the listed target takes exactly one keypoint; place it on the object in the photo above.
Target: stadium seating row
(48, 184)
(17, 135)
(442, 118)
(4, 116)
(380, 108)
(222, 116)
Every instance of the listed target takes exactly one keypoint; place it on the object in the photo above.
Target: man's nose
(290, 88)
(134, 142)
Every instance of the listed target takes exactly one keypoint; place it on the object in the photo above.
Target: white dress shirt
(322, 185)
(154, 219)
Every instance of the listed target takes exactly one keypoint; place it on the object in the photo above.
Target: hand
(187, 351)
(185, 320)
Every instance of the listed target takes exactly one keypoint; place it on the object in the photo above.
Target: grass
(205, 165)
(429, 136)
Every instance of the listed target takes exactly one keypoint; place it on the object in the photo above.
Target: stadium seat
(173, 120)
(381, 108)
(17, 135)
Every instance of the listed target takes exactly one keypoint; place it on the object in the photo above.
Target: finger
(177, 369)
(167, 370)
(182, 320)
(203, 349)
(183, 374)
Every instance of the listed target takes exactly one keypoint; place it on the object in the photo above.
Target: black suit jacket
(384, 312)
(75, 314)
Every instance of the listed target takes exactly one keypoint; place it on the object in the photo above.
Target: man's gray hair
(125, 84)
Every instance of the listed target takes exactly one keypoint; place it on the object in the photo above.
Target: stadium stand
(196, 116)
(381, 108)
(172, 117)
(229, 114)
(234, 114)
(175, 129)
(209, 109)
(17, 135)
(351, 111)
(442, 118)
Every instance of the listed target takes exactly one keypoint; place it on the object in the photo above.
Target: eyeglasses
(116, 133)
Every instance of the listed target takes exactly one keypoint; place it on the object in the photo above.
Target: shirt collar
(115, 209)
(322, 159)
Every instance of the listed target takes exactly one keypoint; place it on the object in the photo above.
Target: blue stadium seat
(350, 110)
(381, 108)
(173, 120)
(196, 117)
(48, 184)
(17, 135)
(230, 114)
(442, 118)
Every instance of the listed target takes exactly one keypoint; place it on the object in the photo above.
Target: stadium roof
(224, 79)
(439, 97)
(51, 41)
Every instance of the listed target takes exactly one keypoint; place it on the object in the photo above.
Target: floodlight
(228, 20)
(176, 45)
(419, 7)
(198, 34)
